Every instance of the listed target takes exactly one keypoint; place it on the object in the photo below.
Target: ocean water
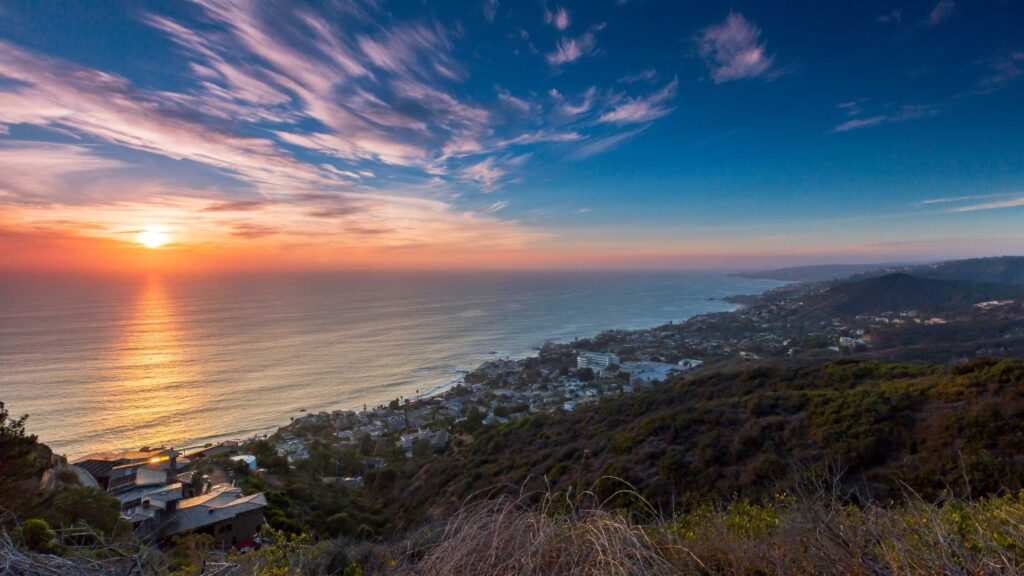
(105, 363)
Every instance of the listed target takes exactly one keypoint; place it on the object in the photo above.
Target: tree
(421, 450)
(92, 506)
(367, 445)
(323, 459)
(22, 462)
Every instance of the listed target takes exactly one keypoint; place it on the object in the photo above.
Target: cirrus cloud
(732, 50)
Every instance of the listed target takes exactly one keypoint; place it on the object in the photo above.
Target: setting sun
(153, 237)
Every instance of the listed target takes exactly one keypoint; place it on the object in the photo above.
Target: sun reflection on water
(150, 385)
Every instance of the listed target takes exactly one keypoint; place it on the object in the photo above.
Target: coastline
(440, 391)
(655, 305)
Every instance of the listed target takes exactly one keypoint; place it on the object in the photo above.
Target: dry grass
(818, 531)
(14, 561)
(508, 537)
(815, 532)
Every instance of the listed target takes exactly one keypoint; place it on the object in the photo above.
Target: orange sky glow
(90, 240)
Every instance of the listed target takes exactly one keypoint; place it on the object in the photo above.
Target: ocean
(108, 363)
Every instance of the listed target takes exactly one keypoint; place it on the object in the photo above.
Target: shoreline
(725, 301)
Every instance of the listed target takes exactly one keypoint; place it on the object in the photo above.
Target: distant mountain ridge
(901, 291)
(816, 273)
(994, 270)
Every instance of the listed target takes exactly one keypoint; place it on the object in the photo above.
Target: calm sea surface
(120, 363)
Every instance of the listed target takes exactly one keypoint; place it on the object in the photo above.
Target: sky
(633, 134)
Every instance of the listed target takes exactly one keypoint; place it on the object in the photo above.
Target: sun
(153, 237)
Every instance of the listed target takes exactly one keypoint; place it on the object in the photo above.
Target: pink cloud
(644, 109)
(732, 50)
(572, 49)
(941, 12)
(560, 18)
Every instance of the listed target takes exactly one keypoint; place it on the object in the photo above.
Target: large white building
(596, 361)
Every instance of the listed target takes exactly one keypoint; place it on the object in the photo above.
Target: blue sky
(627, 133)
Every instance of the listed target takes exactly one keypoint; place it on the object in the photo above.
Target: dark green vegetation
(749, 433)
(301, 501)
(814, 273)
(901, 291)
(36, 485)
(994, 270)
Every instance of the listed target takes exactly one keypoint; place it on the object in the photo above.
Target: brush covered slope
(995, 270)
(748, 433)
(899, 291)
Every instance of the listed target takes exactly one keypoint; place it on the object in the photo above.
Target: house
(492, 419)
(248, 459)
(100, 465)
(223, 512)
(437, 440)
(375, 463)
(646, 372)
(148, 483)
(596, 361)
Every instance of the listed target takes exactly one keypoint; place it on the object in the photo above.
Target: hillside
(815, 273)
(997, 270)
(994, 270)
(747, 433)
(899, 291)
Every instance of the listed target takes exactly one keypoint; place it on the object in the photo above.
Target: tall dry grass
(813, 532)
(510, 537)
(826, 535)
(817, 531)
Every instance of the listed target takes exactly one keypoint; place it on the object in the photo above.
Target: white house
(596, 361)
(249, 460)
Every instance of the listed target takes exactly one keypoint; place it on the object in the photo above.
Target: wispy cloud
(894, 16)
(954, 199)
(942, 12)
(605, 143)
(646, 75)
(642, 109)
(904, 113)
(732, 50)
(572, 109)
(1012, 203)
(490, 8)
(513, 102)
(52, 93)
(1003, 69)
(300, 127)
(974, 203)
(496, 207)
(485, 173)
(559, 18)
(490, 173)
(571, 49)
(38, 172)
